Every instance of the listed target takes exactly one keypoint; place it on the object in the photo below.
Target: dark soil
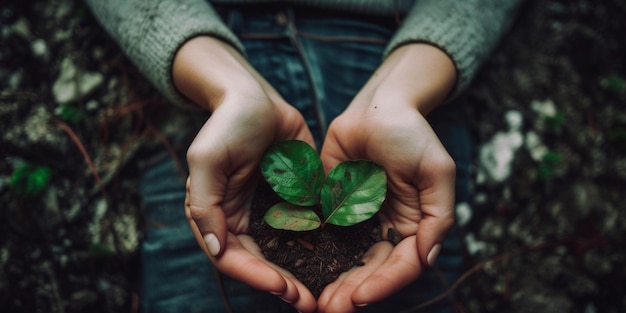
(315, 257)
(548, 237)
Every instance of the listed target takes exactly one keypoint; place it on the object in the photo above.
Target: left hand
(385, 123)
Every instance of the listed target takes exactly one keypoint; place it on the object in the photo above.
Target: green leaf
(353, 192)
(613, 83)
(295, 172)
(100, 250)
(544, 171)
(69, 113)
(30, 180)
(288, 216)
(555, 123)
(551, 159)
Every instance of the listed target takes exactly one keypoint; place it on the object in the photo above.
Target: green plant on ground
(100, 250)
(613, 83)
(30, 180)
(616, 134)
(352, 192)
(546, 167)
(69, 113)
(555, 122)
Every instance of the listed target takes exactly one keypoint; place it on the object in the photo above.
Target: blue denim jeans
(318, 61)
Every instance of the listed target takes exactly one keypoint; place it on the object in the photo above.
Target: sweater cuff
(170, 34)
(465, 30)
(151, 32)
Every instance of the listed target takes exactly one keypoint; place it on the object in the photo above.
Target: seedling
(556, 122)
(352, 192)
(613, 83)
(69, 113)
(548, 163)
(30, 180)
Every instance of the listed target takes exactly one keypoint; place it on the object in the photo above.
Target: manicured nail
(212, 244)
(432, 255)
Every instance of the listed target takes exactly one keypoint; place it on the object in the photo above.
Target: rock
(473, 245)
(35, 135)
(597, 262)
(463, 213)
(72, 84)
(81, 299)
(127, 233)
(51, 214)
(95, 226)
(496, 155)
(491, 229)
(16, 79)
(534, 297)
(40, 49)
(544, 108)
(534, 146)
(21, 28)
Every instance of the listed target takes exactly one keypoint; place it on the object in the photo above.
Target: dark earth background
(547, 225)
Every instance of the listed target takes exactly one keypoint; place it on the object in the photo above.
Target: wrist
(418, 75)
(206, 70)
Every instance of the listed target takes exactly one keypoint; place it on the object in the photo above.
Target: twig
(83, 151)
(476, 268)
(220, 287)
(309, 246)
(172, 151)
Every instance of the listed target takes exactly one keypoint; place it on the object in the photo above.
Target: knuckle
(446, 165)
(195, 212)
(196, 154)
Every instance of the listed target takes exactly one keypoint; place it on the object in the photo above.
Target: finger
(399, 269)
(436, 194)
(244, 261)
(207, 217)
(337, 296)
(239, 263)
(294, 126)
(334, 150)
(296, 293)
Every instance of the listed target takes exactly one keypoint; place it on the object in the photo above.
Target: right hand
(248, 115)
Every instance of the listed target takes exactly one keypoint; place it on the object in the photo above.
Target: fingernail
(212, 244)
(286, 301)
(360, 305)
(432, 255)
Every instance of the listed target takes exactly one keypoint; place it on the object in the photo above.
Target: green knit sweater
(150, 32)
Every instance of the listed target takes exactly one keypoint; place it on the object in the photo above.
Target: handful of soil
(315, 257)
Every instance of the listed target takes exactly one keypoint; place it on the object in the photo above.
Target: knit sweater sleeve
(467, 30)
(150, 32)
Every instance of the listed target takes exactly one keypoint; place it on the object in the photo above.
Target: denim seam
(342, 38)
(293, 34)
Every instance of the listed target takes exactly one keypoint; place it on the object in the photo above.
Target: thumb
(205, 217)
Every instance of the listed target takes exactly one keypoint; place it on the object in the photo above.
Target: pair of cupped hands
(384, 123)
